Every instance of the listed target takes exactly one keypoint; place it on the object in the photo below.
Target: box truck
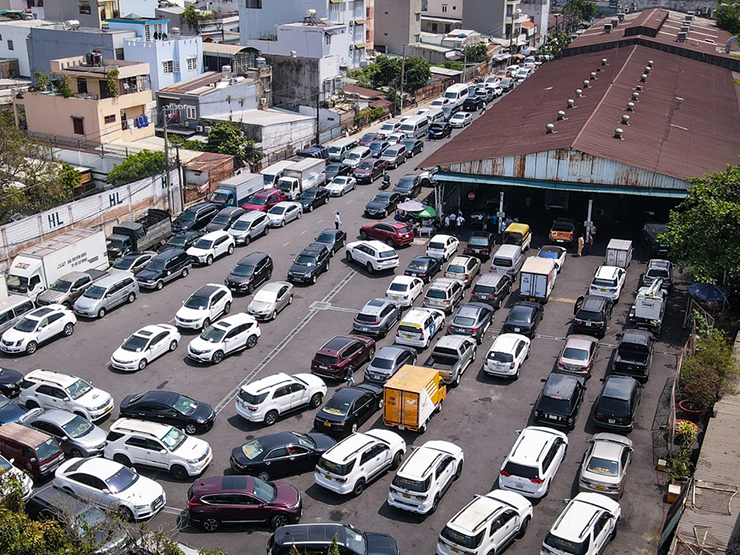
(411, 397)
(537, 278)
(271, 174)
(235, 190)
(619, 253)
(148, 232)
(304, 174)
(37, 267)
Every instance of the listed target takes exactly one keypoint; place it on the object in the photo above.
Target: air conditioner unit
(207, 129)
(199, 128)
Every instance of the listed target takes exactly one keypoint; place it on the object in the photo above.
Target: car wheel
(126, 514)
(279, 520)
(271, 417)
(122, 460)
(458, 378)
(349, 256)
(160, 283)
(210, 524)
(230, 250)
(267, 230)
(458, 470)
(101, 313)
(75, 453)
(354, 427)
(359, 487)
(31, 347)
(142, 364)
(389, 242)
(371, 353)
(290, 299)
(30, 405)
(363, 235)
(435, 504)
(380, 404)
(178, 472)
(227, 308)
(396, 460)
(206, 323)
(250, 288)
(316, 400)
(251, 341)
(264, 475)
(301, 214)
(522, 528)
(217, 357)
(69, 329)
(273, 315)
(423, 428)
(209, 260)
(191, 429)
(246, 240)
(131, 298)
(369, 267)
(173, 345)
(282, 223)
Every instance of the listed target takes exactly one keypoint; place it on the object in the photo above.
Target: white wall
(157, 52)
(17, 35)
(144, 8)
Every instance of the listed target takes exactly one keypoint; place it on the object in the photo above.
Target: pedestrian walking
(581, 244)
(350, 376)
(337, 220)
(453, 224)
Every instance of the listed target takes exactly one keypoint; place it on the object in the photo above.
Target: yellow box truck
(411, 397)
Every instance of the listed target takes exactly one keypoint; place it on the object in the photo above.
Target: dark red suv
(238, 499)
(369, 170)
(340, 354)
(394, 234)
(264, 200)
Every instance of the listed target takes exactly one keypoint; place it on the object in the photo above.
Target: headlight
(201, 420)
(192, 461)
(141, 507)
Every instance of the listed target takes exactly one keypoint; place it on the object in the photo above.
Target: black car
(472, 104)
(171, 408)
(333, 170)
(424, 267)
(617, 404)
(309, 264)
(439, 131)
(183, 240)
(408, 186)
(472, 319)
(249, 272)
(349, 408)
(133, 262)
(10, 382)
(334, 239)
(523, 318)
(413, 147)
(319, 537)
(194, 217)
(560, 400)
(314, 151)
(280, 454)
(10, 411)
(634, 354)
(591, 315)
(225, 218)
(480, 244)
(313, 198)
(377, 147)
(482, 215)
(163, 268)
(383, 204)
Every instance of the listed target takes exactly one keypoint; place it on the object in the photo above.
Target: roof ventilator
(571, 103)
(639, 88)
(561, 115)
(603, 61)
(636, 96)
(650, 63)
(630, 106)
(614, 21)
(593, 75)
(550, 128)
(579, 93)
(682, 36)
(643, 77)
(618, 133)
(607, 28)
(586, 84)
(625, 119)
(648, 69)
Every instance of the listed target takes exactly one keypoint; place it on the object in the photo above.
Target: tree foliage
(579, 10)
(727, 15)
(137, 166)
(476, 54)
(386, 72)
(704, 229)
(554, 45)
(227, 137)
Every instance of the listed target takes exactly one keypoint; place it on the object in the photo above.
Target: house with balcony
(106, 100)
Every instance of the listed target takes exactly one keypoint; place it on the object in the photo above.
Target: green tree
(554, 45)
(704, 229)
(416, 73)
(727, 15)
(579, 10)
(190, 15)
(137, 166)
(476, 54)
(226, 137)
(19, 535)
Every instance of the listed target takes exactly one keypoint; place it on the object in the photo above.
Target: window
(84, 7)
(10, 45)
(424, 5)
(191, 112)
(119, 54)
(78, 124)
(444, 8)
(253, 4)
(167, 67)
(110, 119)
(192, 64)
(82, 85)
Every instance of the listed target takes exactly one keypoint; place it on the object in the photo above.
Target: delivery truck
(412, 396)
(537, 279)
(302, 175)
(235, 190)
(149, 232)
(37, 267)
(271, 174)
(619, 253)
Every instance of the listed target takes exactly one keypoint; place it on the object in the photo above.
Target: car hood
(363, 171)
(122, 355)
(94, 398)
(231, 278)
(381, 544)
(306, 201)
(286, 496)
(181, 226)
(323, 441)
(186, 313)
(11, 413)
(143, 275)
(300, 269)
(262, 306)
(202, 345)
(203, 412)
(50, 296)
(13, 335)
(96, 437)
(192, 448)
(10, 377)
(376, 205)
(192, 251)
(144, 491)
(259, 207)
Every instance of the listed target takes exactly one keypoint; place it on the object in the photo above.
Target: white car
(357, 460)
(211, 246)
(397, 137)
(47, 389)
(608, 282)
(143, 346)
(204, 306)
(554, 252)
(225, 337)
(111, 485)
(495, 88)
(37, 327)
(506, 355)
(374, 255)
(461, 119)
(341, 184)
(404, 290)
(505, 513)
(442, 246)
(266, 399)
(273, 297)
(585, 526)
(10, 471)
(425, 476)
(419, 326)
(532, 463)
(604, 467)
(284, 212)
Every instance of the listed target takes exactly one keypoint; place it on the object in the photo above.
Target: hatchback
(491, 288)
(442, 246)
(388, 361)
(523, 318)
(424, 267)
(349, 408)
(472, 319)
(334, 239)
(377, 317)
(506, 355)
(560, 400)
(393, 234)
(480, 244)
(461, 119)
(342, 355)
(617, 404)
(340, 185)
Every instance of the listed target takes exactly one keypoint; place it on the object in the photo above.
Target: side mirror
(543, 380)
(32, 459)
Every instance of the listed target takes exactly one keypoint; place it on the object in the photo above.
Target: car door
(375, 459)
(168, 415)
(281, 398)
(235, 339)
(503, 527)
(298, 395)
(601, 532)
(277, 462)
(46, 327)
(50, 396)
(90, 487)
(219, 246)
(380, 232)
(247, 508)
(52, 429)
(156, 454)
(520, 352)
(217, 304)
(443, 474)
(282, 297)
(362, 408)
(137, 450)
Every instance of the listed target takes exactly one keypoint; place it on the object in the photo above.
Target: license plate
(327, 424)
(602, 290)
(322, 367)
(365, 329)
(407, 496)
(599, 486)
(517, 330)
(518, 485)
(612, 421)
(552, 417)
(483, 297)
(455, 550)
(394, 297)
(107, 409)
(589, 324)
(408, 336)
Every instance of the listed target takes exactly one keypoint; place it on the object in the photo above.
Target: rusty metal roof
(191, 86)
(208, 161)
(685, 123)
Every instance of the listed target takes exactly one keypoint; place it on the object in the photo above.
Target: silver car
(78, 437)
(271, 299)
(249, 226)
(388, 361)
(66, 290)
(604, 467)
(377, 317)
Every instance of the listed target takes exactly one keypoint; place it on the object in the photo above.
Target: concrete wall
(62, 10)
(675, 5)
(14, 33)
(453, 10)
(485, 16)
(256, 23)
(397, 23)
(160, 51)
(278, 136)
(539, 10)
(295, 81)
(144, 8)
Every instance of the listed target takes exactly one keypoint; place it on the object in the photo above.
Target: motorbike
(386, 182)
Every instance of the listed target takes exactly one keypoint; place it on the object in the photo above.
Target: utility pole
(403, 68)
(318, 131)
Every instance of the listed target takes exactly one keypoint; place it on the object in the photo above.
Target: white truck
(3, 288)
(234, 191)
(537, 279)
(37, 267)
(302, 175)
(271, 174)
(619, 253)
(648, 310)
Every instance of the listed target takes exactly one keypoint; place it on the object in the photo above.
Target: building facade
(13, 42)
(397, 24)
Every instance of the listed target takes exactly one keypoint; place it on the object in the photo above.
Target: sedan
(280, 454)
(439, 131)
(336, 170)
(409, 186)
(342, 355)
(349, 408)
(171, 408)
(10, 411)
(506, 355)
(369, 170)
(472, 319)
(553, 252)
(36, 327)
(424, 267)
(604, 467)
(341, 184)
(367, 138)
(145, 345)
(10, 382)
(404, 290)
(578, 355)
(382, 204)
(397, 138)
(284, 213)
(133, 262)
(225, 218)
(393, 234)
(461, 119)
(313, 198)
(334, 239)
(271, 299)
(523, 318)
(414, 146)
(77, 437)
(394, 155)
(378, 147)
(388, 361)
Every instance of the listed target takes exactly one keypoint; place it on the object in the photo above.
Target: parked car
(397, 137)
(605, 463)
(342, 355)
(313, 198)
(608, 282)
(225, 337)
(341, 185)
(68, 288)
(110, 291)
(424, 267)
(616, 406)
(394, 234)
(414, 146)
(10, 411)
(309, 264)
(251, 271)
(523, 318)
(369, 170)
(444, 294)
(203, 306)
(264, 200)
(633, 354)
(194, 217)
(182, 240)
(533, 461)
(37, 327)
(377, 317)
(560, 400)
(507, 355)
(349, 408)
(394, 155)
(334, 239)
(404, 290)
(463, 268)
(77, 436)
(658, 269)
(266, 399)
(439, 131)
(563, 232)
(388, 361)
(373, 255)
(480, 244)
(225, 218)
(367, 138)
(472, 319)
(419, 326)
(578, 355)
(442, 246)
(132, 262)
(163, 268)
(168, 407)
(378, 147)
(461, 119)
(144, 346)
(585, 526)
(271, 299)
(472, 104)
(408, 186)
(382, 204)
(491, 288)
(553, 252)
(591, 315)
(250, 226)
(284, 213)
(336, 170)
(320, 536)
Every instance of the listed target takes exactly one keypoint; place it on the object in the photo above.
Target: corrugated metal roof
(208, 161)
(221, 48)
(191, 85)
(686, 122)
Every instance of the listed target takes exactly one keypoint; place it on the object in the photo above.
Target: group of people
(454, 222)
(585, 241)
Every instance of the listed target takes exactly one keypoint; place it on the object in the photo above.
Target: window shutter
(176, 66)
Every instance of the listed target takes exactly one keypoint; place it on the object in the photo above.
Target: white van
(508, 259)
(339, 149)
(415, 127)
(457, 93)
(435, 116)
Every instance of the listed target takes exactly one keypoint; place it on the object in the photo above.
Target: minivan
(11, 310)
(435, 115)
(444, 294)
(106, 293)
(163, 268)
(415, 127)
(356, 156)
(338, 150)
(491, 288)
(31, 450)
(508, 259)
(457, 93)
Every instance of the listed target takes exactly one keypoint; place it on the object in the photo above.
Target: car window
(277, 453)
(297, 387)
(442, 466)
(281, 392)
(600, 524)
(136, 442)
(547, 461)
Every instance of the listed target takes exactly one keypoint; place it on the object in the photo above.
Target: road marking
(286, 243)
(171, 320)
(284, 343)
(320, 305)
(321, 220)
(172, 510)
(563, 300)
(304, 232)
(349, 201)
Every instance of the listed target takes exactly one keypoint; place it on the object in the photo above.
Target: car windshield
(47, 449)
(657, 273)
(478, 241)
(95, 292)
(604, 282)
(241, 225)
(436, 294)
(498, 356)
(604, 467)
(135, 344)
(173, 439)
(185, 405)
(203, 244)
(573, 353)
(121, 264)
(519, 315)
(336, 407)
(186, 216)
(258, 201)
(456, 268)
(242, 270)
(213, 334)
(554, 405)
(4, 402)
(305, 260)
(418, 265)
(26, 324)
(17, 284)
(588, 315)
(548, 254)
(365, 166)
(463, 540)
(463, 321)
(61, 285)
(264, 490)
(326, 237)
(177, 241)
(380, 198)
(484, 289)
(220, 219)
(278, 210)
(156, 265)
(122, 480)
(78, 389)
(409, 144)
(253, 449)
(78, 427)
(196, 302)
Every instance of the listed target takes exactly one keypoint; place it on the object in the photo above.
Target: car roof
(477, 513)
(155, 429)
(349, 446)
(337, 343)
(374, 306)
(347, 394)
(607, 271)
(560, 386)
(274, 286)
(507, 250)
(64, 380)
(421, 462)
(659, 263)
(532, 444)
(207, 290)
(594, 302)
(319, 532)
(471, 309)
(580, 341)
(229, 210)
(490, 278)
(443, 283)
(278, 439)
(234, 319)
(392, 351)
(461, 259)
(506, 342)
(57, 416)
(619, 387)
(223, 484)
(451, 340)
(252, 258)
(575, 521)
(268, 383)
(640, 337)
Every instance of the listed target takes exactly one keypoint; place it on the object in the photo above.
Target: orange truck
(412, 396)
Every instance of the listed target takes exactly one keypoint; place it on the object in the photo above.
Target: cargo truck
(412, 396)
(3, 288)
(149, 232)
(619, 253)
(648, 310)
(235, 190)
(304, 174)
(537, 279)
(37, 267)
(271, 174)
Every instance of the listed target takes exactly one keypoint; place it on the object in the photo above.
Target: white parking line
(286, 243)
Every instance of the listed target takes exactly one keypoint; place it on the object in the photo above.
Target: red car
(369, 170)
(367, 138)
(342, 353)
(394, 234)
(264, 200)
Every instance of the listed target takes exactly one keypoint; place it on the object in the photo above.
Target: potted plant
(679, 468)
(686, 433)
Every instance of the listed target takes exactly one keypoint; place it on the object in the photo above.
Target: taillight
(253, 409)
(486, 251)
(467, 276)
(446, 301)
(474, 330)
(405, 296)
(422, 275)
(512, 365)
(562, 366)
(536, 480)
(504, 473)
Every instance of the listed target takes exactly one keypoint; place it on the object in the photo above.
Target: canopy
(428, 212)
(708, 293)
(411, 206)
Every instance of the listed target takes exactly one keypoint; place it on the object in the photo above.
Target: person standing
(350, 376)
(447, 223)
(581, 243)
(453, 223)
(460, 221)
(589, 243)
(337, 220)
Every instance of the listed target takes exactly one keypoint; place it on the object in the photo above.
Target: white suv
(53, 390)
(227, 336)
(425, 476)
(211, 246)
(268, 398)
(356, 460)
(608, 282)
(419, 326)
(38, 326)
(533, 461)
(205, 305)
(374, 255)
(134, 442)
(486, 525)
(585, 526)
